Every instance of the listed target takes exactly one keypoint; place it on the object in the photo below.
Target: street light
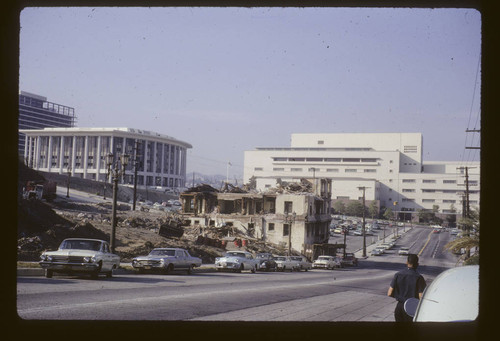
(364, 234)
(115, 173)
(69, 176)
(289, 220)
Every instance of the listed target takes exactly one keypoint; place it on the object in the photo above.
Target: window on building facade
(280, 159)
(449, 191)
(408, 190)
(296, 159)
(314, 159)
(342, 197)
(368, 160)
(350, 170)
(332, 170)
(313, 169)
(449, 181)
(296, 169)
(370, 170)
(408, 180)
(428, 191)
(258, 169)
(288, 207)
(410, 149)
(346, 159)
(408, 200)
(321, 142)
(450, 201)
(286, 229)
(429, 181)
(332, 159)
(278, 169)
(428, 200)
(270, 227)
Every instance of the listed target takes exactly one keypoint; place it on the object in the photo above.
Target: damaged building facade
(294, 215)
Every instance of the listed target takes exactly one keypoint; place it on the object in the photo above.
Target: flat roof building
(161, 159)
(389, 165)
(36, 113)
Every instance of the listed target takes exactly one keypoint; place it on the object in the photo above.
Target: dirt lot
(43, 225)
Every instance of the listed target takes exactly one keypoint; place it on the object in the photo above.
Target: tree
(468, 240)
(388, 215)
(373, 209)
(339, 207)
(451, 218)
(355, 208)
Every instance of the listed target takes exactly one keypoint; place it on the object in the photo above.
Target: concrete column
(145, 162)
(49, 154)
(85, 156)
(25, 148)
(72, 161)
(98, 160)
(162, 156)
(61, 156)
(37, 153)
(30, 152)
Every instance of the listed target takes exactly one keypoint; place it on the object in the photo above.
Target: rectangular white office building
(161, 159)
(389, 165)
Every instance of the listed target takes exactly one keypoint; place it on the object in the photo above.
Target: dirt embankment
(43, 225)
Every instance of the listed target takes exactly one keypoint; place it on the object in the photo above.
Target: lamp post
(289, 220)
(364, 234)
(115, 173)
(69, 176)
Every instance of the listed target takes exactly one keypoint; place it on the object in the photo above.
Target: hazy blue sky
(228, 80)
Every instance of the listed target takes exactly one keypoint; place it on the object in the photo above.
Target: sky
(227, 80)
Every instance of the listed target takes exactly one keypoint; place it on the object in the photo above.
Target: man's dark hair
(412, 260)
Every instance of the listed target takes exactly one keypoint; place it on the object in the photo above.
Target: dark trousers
(400, 315)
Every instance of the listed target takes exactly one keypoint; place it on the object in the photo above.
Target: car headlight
(89, 259)
(236, 260)
(43, 257)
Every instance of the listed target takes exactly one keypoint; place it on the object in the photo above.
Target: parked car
(404, 250)
(79, 255)
(166, 260)
(284, 263)
(326, 262)
(378, 251)
(266, 262)
(439, 302)
(304, 263)
(337, 230)
(349, 260)
(357, 233)
(237, 261)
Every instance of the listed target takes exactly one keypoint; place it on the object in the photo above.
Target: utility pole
(363, 188)
(466, 205)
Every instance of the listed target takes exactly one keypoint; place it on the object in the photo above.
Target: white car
(237, 261)
(404, 250)
(453, 296)
(284, 263)
(378, 251)
(166, 260)
(326, 262)
(304, 264)
(79, 255)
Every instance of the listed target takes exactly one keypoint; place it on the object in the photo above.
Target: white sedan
(284, 263)
(326, 262)
(237, 261)
(78, 255)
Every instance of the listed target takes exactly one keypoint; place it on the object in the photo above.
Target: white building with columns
(161, 159)
(389, 166)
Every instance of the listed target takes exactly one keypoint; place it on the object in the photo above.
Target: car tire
(168, 269)
(240, 269)
(254, 269)
(109, 274)
(48, 273)
(190, 269)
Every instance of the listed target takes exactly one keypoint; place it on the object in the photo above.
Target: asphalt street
(349, 294)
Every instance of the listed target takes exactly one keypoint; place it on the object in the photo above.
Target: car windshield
(162, 253)
(323, 258)
(296, 258)
(93, 245)
(280, 258)
(264, 256)
(235, 254)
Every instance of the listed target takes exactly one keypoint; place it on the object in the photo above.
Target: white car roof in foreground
(452, 296)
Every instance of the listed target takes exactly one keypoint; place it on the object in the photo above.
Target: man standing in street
(406, 284)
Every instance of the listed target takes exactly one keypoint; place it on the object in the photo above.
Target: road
(349, 294)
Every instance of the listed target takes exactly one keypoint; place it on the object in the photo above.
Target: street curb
(41, 272)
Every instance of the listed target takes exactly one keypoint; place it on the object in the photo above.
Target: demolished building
(294, 215)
